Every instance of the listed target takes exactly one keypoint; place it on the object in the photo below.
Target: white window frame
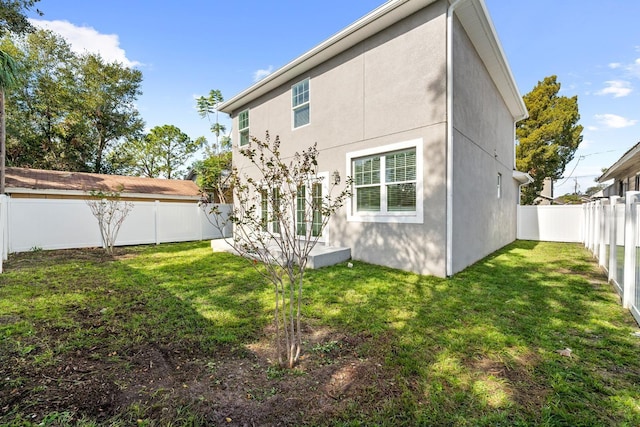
(324, 182)
(244, 129)
(296, 107)
(499, 185)
(416, 217)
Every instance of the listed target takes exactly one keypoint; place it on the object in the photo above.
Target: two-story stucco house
(415, 102)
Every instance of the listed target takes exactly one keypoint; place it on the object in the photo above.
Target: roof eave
(473, 15)
(375, 21)
(618, 165)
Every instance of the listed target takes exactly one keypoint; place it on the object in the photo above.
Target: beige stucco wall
(483, 147)
(388, 89)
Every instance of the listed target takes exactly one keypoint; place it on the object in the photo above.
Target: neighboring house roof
(472, 14)
(38, 181)
(627, 165)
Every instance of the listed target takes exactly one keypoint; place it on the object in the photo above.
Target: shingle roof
(37, 179)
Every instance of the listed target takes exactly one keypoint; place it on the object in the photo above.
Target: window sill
(412, 218)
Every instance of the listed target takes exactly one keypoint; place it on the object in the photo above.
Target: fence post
(589, 223)
(631, 198)
(200, 219)
(4, 209)
(612, 238)
(596, 228)
(156, 216)
(603, 233)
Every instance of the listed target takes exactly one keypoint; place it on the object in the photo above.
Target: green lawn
(177, 335)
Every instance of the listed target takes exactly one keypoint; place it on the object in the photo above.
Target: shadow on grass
(479, 348)
(483, 345)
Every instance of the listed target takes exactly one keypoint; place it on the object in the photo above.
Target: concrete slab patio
(320, 256)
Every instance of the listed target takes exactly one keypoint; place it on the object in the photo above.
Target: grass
(477, 349)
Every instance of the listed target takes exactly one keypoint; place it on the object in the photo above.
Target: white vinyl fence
(29, 224)
(609, 228)
(612, 234)
(555, 223)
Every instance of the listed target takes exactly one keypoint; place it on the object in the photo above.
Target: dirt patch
(40, 258)
(234, 386)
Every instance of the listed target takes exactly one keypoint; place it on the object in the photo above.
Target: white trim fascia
(400, 217)
(54, 192)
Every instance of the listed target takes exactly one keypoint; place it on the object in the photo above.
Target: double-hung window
(309, 209)
(300, 103)
(243, 127)
(387, 183)
(270, 210)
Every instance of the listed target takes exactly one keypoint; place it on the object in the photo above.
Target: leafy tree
(38, 132)
(208, 106)
(214, 176)
(12, 20)
(108, 95)
(163, 152)
(570, 199)
(550, 136)
(70, 111)
(593, 190)
(8, 72)
(278, 222)
(12, 17)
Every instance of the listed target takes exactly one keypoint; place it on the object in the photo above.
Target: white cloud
(87, 39)
(615, 121)
(615, 65)
(634, 68)
(261, 74)
(592, 128)
(617, 88)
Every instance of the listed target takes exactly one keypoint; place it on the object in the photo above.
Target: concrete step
(324, 256)
(320, 256)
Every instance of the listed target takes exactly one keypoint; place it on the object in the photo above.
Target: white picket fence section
(612, 234)
(609, 228)
(28, 224)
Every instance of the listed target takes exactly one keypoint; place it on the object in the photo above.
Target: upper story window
(300, 103)
(243, 127)
(387, 185)
(499, 185)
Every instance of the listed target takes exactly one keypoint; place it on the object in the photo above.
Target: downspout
(449, 202)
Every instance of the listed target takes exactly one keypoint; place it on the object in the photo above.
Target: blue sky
(186, 48)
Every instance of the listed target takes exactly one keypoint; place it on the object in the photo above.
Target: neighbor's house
(48, 184)
(625, 174)
(415, 102)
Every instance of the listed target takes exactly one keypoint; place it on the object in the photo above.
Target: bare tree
(279, 213)
(110, 211)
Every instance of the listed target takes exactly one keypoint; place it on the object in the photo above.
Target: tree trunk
(3, 144)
